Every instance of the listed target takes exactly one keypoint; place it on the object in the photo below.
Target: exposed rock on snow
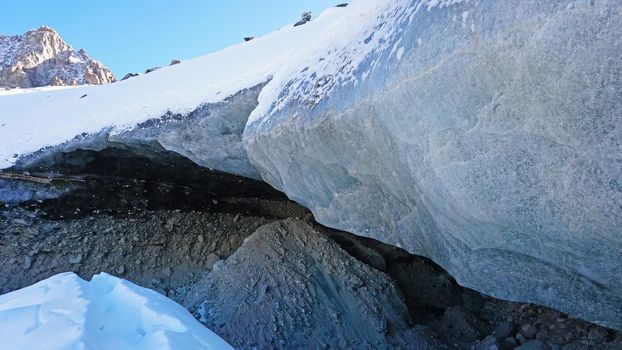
(484, 135)
(66, 312)
(152, 69)
(286, 278)
(129, 75)
(40, 57)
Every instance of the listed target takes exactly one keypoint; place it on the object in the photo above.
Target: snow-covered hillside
(40, 57)
(67, 312)
(35, 119)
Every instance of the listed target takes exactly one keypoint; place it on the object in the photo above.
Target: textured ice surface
(66, 312)
(486, 135)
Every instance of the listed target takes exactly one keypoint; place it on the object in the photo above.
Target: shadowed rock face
(40, 58)
(490, 143)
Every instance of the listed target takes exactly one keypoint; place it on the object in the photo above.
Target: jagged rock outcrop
(485, 135)
(40, 57)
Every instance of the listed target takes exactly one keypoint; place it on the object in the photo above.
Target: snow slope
(67, 312)
(31, 121)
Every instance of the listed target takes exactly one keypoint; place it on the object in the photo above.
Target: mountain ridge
(40, 57)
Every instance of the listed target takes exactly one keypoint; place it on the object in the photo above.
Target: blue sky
(132, 35)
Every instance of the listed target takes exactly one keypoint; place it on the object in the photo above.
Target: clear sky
(132, 35)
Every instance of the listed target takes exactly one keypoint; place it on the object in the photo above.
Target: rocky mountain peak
(40, 57)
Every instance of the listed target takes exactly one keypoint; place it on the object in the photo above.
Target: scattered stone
(488, 343)
(504, 330)
(249, 38)
(509, 343)
(120, 270)
(200, 238)
(174, 62)
(129, 75)
(521, 338)
(75, 259)
(167, 271)
(152, 69)
(27, 263)
(305, 17)
(218, 265)
(528, 331)
(211, 260)
(170, 224)
(20, 222)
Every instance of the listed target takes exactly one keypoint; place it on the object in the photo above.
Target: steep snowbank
(66, 312)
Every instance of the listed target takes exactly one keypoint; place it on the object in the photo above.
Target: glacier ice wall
(210, 136)
(486, 135)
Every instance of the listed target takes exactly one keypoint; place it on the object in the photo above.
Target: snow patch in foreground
(67, 312)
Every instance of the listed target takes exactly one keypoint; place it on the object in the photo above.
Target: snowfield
(67, 312)
(31, 120)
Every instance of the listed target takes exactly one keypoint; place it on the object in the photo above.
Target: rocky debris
(76, 259)
(304, 18)
(345, 4)
(541, 329)
(528, 331)
(139, 247)
(174, 62)
(40, 58)
(171, 251)
(130, 75)
(249, 38)
(290, 287)
(27, 263)
(149, 70)
(504, 330)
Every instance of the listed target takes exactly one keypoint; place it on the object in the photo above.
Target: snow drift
(66, 312)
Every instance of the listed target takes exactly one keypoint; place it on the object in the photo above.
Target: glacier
(106, 312)
(485, 135)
